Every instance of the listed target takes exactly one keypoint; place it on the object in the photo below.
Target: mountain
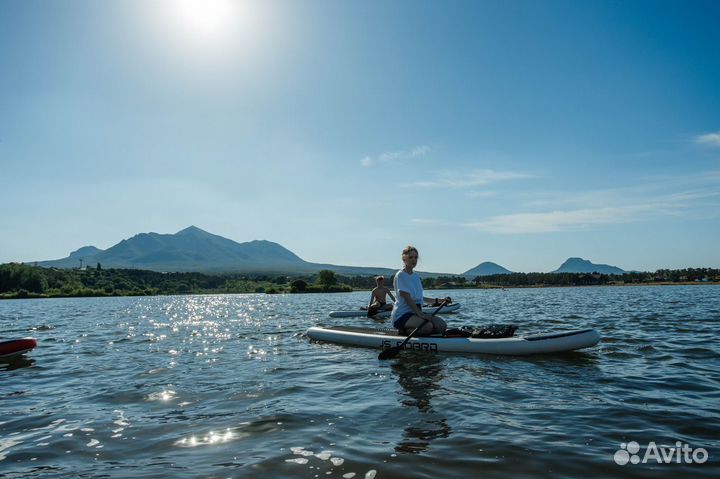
(85, 251)
(579, 265)
(193, 249)
(486, 269)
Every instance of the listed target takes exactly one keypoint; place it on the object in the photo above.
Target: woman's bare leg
(415, 321)
(439, 325)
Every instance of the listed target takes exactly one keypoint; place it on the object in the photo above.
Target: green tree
(298, 286)
(326, 278)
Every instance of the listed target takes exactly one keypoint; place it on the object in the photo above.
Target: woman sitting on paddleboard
(407, 313)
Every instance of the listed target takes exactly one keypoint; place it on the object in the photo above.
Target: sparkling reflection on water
(229, 386)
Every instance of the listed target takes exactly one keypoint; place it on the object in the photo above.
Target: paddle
(392, 352)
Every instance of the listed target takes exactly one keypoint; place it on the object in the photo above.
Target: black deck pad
(489, 331)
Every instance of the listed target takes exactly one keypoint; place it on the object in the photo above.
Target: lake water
(229, 386)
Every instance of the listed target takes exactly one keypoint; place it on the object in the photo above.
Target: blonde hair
(409, 249)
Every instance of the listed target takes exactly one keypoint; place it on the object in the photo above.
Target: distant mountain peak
(193, 249)
(85, 251)
(190, 249)
(581, 265)
(194, 230)
(486, 268)
(576, 261)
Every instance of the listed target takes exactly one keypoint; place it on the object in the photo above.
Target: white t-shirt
(411, 284)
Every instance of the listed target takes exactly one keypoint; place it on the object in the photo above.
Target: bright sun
(209, 31)
(207, 18)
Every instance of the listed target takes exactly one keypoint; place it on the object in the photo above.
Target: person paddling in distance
(407, 313)
(378, 297)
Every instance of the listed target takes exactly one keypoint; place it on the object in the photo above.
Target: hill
(580, 265)
(486, 269)
(196, 250)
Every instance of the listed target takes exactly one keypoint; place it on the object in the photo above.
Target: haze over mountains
(193, 249)
(579, 265)
(571, 265)
(486, 269)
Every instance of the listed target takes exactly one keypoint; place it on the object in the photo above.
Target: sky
(518, 132)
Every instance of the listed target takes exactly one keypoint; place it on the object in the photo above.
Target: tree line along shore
(25, 281)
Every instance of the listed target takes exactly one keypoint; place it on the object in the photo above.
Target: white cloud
(690, 197)
(390, 156)
(621, 209)
(554, 221)
(710, 139)
(367, 161)
(692, 187)
(469, 179)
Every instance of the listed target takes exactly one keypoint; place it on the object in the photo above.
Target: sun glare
(205, 34)
(207, 18)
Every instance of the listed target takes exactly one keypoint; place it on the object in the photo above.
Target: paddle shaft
(392, 352)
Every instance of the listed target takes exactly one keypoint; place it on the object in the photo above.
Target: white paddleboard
(517, 345)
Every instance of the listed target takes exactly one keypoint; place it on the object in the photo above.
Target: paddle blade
(389, 353)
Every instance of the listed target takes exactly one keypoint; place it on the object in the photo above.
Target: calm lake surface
(230, 386)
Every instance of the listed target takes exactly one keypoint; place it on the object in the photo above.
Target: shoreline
(211, 293)
(533, 286)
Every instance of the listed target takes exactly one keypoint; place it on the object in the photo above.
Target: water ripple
(230, 386)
